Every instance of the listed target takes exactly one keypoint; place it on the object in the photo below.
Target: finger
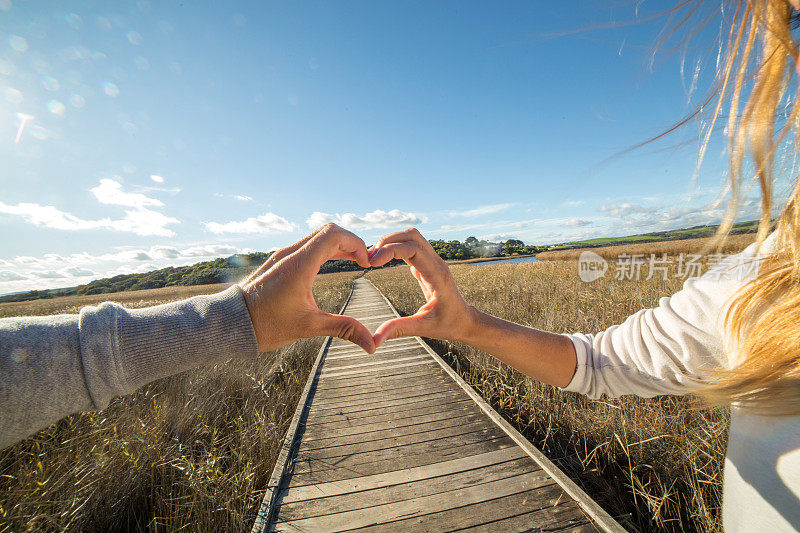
(346, 328)
(407, 326)
(278, 255)
(427, 290)
(333, 242)
(411, 234)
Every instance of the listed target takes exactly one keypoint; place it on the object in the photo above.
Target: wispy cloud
(144, 222)
(577, 223)
(481, 211)
(266, 223)
(624, 209)
(139, 220)
(110, 192)
(375, 220)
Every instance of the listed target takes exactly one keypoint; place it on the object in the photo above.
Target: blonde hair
(764, 319)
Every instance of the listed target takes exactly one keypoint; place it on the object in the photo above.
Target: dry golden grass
(657, 461)
(733, 244)
(191, 452)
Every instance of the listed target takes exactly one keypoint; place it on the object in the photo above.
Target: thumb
(407, 326)
(347, 328)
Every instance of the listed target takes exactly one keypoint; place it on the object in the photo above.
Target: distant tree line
(236, 267)
(472, 248)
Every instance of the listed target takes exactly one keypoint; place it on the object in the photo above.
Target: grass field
(733, 244)
(657, 461)
(191, 452)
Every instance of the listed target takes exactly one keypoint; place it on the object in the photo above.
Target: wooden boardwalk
(397, 441)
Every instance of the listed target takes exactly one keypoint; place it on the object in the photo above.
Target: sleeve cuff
(581, 377)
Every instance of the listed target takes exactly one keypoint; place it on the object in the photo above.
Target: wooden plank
(382, 395)
(477, 427)
(455, 452)
(550, 505)
(387, 459)
(375, 435)
(395, 477)
(394, 512)
(380, 369)
(402, 374)
(562, 518)
(355, 500)
(358, 432)
(449, 397)
(392, 416)
(423, 382)
(409, 398)
(350, 355)
(331, 371)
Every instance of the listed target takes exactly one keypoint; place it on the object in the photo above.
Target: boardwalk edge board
(267, 508)
(601, 518)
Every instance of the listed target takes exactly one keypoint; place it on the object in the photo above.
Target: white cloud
(573, 203)
(140, 220)
(624, 209)
(464, 227)
(157, 178)
(480, 211)
(375, 219)
(78, 271)
(110, 192)
(49, 274)
(243, 198)
(7, 275)
(267, 223)
(576, 223)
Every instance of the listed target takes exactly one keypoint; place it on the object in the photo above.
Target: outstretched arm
(655, 351)
(53, 366)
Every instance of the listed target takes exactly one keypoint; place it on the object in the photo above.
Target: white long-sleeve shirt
(663, 351)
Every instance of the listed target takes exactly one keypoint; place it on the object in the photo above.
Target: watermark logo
(591, 266)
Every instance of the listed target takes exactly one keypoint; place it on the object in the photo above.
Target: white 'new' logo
(591, 266)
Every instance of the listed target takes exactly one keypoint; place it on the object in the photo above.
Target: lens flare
(77, 100)
(14, 96)
(50, 83)
(19, 44)
(110, 89)
(134, 37)
(23, 120)
(56, 107)
(74, 21)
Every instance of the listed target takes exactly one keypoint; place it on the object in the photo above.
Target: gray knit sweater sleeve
(53, 366)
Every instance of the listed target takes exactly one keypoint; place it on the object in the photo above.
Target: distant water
(509, 260)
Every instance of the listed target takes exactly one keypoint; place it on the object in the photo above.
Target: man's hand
(279, 298)
(445, 314)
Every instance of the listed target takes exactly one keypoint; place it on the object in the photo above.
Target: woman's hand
(445, 314)
(279, 298)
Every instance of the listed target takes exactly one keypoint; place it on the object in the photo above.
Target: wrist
(472, 325)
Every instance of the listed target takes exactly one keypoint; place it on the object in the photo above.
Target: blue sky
(135, 135)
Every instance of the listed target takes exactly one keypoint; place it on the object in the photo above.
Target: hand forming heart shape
(282, 307)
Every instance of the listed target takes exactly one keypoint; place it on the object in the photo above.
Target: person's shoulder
(744, 265)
